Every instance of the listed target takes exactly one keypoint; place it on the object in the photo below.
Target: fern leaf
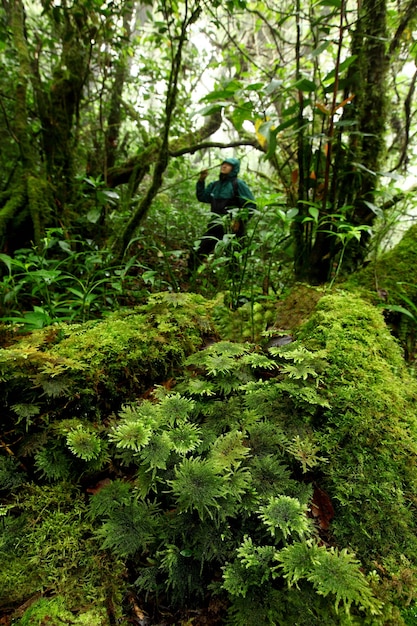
(115, 494)
(52, 463)
(198, 486)
(130, 529)
(297, 560)
(200, 387)
(256, 361)
(131, 435)
(300, 370)
(229, 449)
(286, 514)
(185, 438)
(156, 453)
(175, 408)
(338, 573)
(84, 444)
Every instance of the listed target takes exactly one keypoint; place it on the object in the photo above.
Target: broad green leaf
(242, 113)
(287, 124)
(292, 213)
(7, 260)
(314, 212)
(342, 67)
(93, 215)
(231, 88)
(304, 84)
(396, 308)
(323, 46)
(255, 87)
(330, 3)
(212, 108)
(273, 86)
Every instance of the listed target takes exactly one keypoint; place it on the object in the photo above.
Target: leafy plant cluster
(278, 483)
(65, 279)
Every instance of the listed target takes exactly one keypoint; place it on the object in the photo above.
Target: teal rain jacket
(218, 192)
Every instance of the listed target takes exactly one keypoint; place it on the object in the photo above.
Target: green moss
(55, 613)
(47, 543)
(379, 281)
(119, 357)
(188, 468)
(369, 433)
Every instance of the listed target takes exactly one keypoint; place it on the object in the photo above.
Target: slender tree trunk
(161, 163)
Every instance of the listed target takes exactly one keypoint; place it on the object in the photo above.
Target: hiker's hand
(203, 175)
(236, 226)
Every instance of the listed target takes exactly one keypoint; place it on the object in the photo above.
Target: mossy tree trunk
(355, 164)
(26, 206)
(58, 103)
(354, 171)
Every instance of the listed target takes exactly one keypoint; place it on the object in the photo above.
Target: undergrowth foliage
(280, 481)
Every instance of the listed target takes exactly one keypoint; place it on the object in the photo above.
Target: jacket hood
(235, 163)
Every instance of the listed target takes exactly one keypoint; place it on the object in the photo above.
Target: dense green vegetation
(236, 443)
(280, 479)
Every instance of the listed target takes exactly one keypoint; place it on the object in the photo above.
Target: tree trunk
(23, 214)
(355, 182)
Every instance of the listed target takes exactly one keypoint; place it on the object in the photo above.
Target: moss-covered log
(386, 276)
(327, 426)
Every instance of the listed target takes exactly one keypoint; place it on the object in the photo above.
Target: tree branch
(212, 144)
(409, 14)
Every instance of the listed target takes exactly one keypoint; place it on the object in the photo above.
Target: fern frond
(229, 449)
(25, 411)
(185, 438)
(200, 387)
(147, 580)
(144, 411)
(258, 558)
(156, 453)
(235, 579)
(305, 450)
(11, 475)
(296, 560)
(286, 514)
(84, 444)
(175, 408)
(265, 437)
(53, 387)
(112, 496)
(299, 370)
(304, 395)
(132, 435)
(219, 364)
(270, 476)
(339, 573)
(198, 486)
(256, 361)
(52, 463)
(130, 528)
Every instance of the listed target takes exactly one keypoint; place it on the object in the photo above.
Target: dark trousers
(214, 233)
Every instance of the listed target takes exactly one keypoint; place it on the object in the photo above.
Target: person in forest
(224, 195)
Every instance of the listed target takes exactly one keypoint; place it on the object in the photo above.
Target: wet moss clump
(368, 434)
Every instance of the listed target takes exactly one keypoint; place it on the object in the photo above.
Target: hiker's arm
(203, 193)
(245, 195)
